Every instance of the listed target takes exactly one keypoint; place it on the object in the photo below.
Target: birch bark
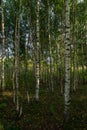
(3, 46)
(50, 47)
(37, 52)
(67, 62)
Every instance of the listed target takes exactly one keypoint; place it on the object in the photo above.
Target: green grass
(3, 105)
(1, 127)
(47, 114)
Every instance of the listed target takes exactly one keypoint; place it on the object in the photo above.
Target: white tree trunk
(75, 68)
(86, 32)
(37, 52)
(67, 61)
(14, 92)
(50, 47)
(17, 42)
(26, 65)
(3, 46)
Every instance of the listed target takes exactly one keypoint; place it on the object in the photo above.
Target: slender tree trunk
(16, 74)
(50, 46)
(86, 33)
(62, 52)
(26, 64)
(14, 94)
(3, 47)
(17, 42)
(75, 70)
(19, 106)
(37, 52)
(13, 74)
(74, 46)
(82, 64)
(57, 57)
(86, 42)
(67, 62)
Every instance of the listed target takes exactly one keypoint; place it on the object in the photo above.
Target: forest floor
(47, 114)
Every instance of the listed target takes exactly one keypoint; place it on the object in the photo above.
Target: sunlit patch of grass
(82, 98)
(1, 127)
(8, 94)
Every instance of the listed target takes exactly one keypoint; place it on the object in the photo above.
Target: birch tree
(74, 45)
(37, 51)
(50, 47)
(86, 30)
(26, 63)
(17, 45)
(3, 45)
(67, 61)
(17, 62)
